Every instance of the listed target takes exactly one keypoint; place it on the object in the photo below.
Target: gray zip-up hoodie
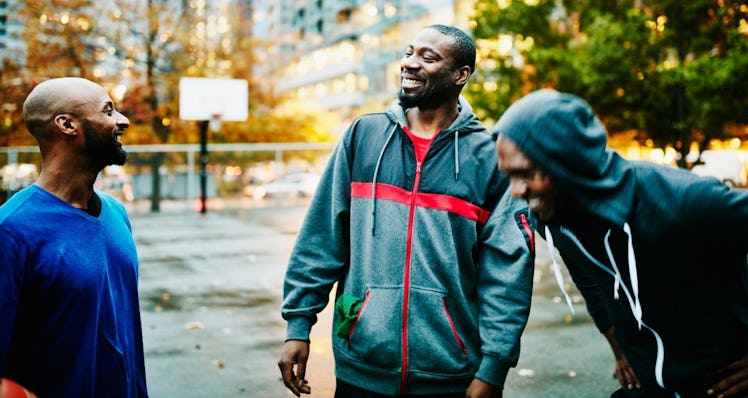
(657, 252)
(436, 258)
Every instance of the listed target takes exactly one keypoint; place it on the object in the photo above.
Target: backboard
(203, 98)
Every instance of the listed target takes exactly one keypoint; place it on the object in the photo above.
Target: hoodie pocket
(375, 337)
(435, 343)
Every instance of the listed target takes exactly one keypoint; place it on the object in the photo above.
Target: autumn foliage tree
(677, 72)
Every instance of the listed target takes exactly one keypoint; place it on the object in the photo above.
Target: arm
(623, 371)
(715, 201)
(505, 288)
(597, 310)
(319, 259)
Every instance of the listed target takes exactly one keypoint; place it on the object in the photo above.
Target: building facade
(343, 55)
(12, 47)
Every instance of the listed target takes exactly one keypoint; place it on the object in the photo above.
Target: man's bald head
(53, 97)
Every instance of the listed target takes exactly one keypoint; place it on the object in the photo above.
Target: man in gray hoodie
(432, 258)
(658, 253)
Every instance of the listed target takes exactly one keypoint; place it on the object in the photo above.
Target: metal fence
(233, 170)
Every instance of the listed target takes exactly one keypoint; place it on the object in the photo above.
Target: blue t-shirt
(69, 312)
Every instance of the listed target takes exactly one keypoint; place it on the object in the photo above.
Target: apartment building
(12, 47)
(341, 55)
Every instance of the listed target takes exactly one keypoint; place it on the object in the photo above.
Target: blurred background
(669, 79)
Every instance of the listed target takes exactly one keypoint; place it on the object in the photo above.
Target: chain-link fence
(241, 173)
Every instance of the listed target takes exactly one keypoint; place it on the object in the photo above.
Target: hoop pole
(203, 166)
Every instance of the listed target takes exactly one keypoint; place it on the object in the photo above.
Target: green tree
(674, 71)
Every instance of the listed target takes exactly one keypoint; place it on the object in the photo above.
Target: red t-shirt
(421, 144)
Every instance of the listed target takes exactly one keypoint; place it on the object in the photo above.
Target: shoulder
(681, 193)
(659, 180)
(372, 120)
(369, 129)
(112, 204)
(20, 205)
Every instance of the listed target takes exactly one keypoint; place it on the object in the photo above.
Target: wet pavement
(211, 286)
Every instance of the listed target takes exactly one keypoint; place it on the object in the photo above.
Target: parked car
(294, 185)
(727, 166)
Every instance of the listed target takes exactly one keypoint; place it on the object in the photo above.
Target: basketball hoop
(215, 122)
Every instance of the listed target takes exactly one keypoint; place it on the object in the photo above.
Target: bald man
(69, 312)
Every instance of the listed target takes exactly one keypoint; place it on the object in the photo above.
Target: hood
(562, 135)
(466, 121)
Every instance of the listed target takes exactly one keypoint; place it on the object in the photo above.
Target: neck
(426, 123)
(68, 184)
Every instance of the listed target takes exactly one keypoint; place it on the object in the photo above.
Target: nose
(122, 120)
(518, 187)
(408, 62)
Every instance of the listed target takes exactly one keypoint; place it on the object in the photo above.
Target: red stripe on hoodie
(425, 200)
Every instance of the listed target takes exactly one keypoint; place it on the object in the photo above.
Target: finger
(301, 370)
(288, 377)
(737, 390)
(733, 386)
(621, 379)
(301, 381)
(633, 379)
(304, 387)
(733, 367)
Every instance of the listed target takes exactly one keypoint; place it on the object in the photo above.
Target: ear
(463, 73)
(66, 124)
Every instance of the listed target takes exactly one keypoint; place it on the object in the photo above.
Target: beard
(103, 149)
(429, 97)
(424, 101)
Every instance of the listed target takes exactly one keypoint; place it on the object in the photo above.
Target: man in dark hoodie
(432, 258)
(658, 253)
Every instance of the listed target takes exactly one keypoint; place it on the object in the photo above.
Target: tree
(60, 39)
(675, 72)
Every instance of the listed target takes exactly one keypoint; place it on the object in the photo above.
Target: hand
(295, 353)
(734, 382)
(623, 372)
(480, 389)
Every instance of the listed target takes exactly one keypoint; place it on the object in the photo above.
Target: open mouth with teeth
(407, 82)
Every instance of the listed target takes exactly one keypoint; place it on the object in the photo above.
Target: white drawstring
(637, 309)
(557, 268)
(633, 302)
(617, 276)
(660, 360)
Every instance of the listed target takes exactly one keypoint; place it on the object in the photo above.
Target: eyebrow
(431, 50)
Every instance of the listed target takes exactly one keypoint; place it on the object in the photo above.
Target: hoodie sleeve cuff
(298, 329)
(493, 371)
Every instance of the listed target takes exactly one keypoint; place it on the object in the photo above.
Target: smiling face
(428, 77)
(103, 127)
(528, 181)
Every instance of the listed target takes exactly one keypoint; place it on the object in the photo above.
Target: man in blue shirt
(69, 313)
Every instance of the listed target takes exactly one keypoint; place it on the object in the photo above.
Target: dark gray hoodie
(436, 252)
(658, 252)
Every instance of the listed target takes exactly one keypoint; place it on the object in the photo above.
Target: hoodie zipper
(406, 279)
